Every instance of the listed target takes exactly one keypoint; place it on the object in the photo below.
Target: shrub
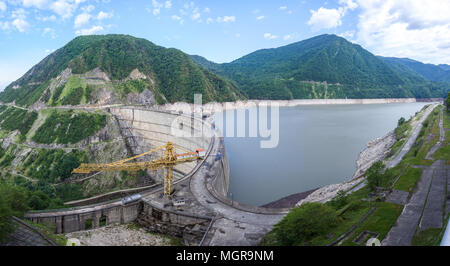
(340, 200)
(376, 176)
(304, 223)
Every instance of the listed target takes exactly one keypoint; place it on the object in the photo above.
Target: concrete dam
(206, 217)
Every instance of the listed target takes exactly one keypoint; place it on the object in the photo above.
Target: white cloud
(209, 20)
(325, 18)
(4, 25)
(48, 18)
(157, 6)
(195, 16)
(348, 34)
(104, 15)
(206, 10)
(283, 7)
(63, 8)
(226, 19)
(260, 17)
(90, 31)
(270, 36)
(348, 4)
(50, 32)
(2, 6)
(406, 28)
(178, 18)
(20, 24)
(88, 9)
(82, 20)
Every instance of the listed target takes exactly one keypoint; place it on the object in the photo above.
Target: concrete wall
(72, 220)
(155, 128)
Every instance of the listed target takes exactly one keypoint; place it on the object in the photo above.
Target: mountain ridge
(322, 58)
(123, 69)
(169, 74)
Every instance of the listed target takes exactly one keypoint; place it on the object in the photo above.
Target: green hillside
(430, 72)
(171, 74)
(348, 69)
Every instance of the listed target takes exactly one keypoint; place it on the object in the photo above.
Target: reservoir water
(318, 146)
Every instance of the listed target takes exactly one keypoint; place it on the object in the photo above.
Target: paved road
(412, 139)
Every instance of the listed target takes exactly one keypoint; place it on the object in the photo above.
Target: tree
(304, 223)
(12, 203)
(375, 175)
(6, 225)
(401, 121)
(447, 101)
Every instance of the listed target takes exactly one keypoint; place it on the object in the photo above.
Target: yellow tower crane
(168, 161)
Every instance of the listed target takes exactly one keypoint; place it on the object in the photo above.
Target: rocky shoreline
(376, 150)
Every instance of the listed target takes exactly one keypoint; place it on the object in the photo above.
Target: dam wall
(154, 128)
(157, 128)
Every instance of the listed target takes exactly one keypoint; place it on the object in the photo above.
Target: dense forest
(330, 63)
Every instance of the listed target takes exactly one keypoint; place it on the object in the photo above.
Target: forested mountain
(121, 64)
(326, 66)
(440, 73)
(109, 69)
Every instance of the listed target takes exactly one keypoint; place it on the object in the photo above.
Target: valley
(103, 98)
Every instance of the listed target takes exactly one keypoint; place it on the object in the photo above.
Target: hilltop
(116, 69)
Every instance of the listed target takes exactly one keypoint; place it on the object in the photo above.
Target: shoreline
(214, 107)
(376, 150)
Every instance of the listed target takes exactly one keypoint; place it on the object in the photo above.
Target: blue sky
(223, 31)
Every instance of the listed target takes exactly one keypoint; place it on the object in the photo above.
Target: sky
(223, 31)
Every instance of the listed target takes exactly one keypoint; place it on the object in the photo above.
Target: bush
(401, 121)
(12, 203)
(376, 177)
(340, 200)
(304, 223)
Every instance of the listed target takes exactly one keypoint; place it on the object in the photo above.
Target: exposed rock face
(377, 150)
(105, 96)
(96, 74)
(327, 193)
(146, 98)
(136, 75)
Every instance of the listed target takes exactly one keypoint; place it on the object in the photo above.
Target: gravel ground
(119, 235)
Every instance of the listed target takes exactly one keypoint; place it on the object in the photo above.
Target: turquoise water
(318, 145)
